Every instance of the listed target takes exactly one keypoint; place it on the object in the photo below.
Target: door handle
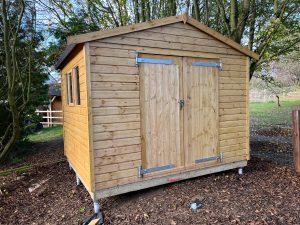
(181, 103)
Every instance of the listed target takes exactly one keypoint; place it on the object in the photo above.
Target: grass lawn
(264, 114)
(46, 134)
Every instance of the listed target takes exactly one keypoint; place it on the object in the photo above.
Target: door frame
(179, 54)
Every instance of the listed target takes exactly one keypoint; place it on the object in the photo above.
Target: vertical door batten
(160, 93)
(201, 116)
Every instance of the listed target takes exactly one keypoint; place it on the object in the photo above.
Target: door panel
(161, 124)
(201, 125)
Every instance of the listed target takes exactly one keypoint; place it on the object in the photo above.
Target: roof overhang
(82, 38)
(64, 55)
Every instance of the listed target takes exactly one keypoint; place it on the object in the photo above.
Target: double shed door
(179, 116)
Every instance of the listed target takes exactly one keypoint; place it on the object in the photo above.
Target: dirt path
(265, 194)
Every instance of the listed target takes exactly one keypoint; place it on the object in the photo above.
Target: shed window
(77, 86)
(73, 87)
(69, 88)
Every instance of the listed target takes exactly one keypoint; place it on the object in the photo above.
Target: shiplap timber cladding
(130, 115)
(116, 94)
(76, 127)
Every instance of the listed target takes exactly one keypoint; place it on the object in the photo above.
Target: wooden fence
(51, 117)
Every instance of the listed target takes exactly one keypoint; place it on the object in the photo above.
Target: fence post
(296, 139)
(48, 118)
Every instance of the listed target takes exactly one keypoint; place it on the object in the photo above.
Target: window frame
(72, 87)
(76, 79)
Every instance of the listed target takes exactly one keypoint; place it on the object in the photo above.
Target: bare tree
(18, 76)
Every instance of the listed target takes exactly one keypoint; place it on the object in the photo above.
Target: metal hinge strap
(152, 61)
(208, 64)
(220, 158)
(142, 171)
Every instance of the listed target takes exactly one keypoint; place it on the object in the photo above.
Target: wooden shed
(154, 103)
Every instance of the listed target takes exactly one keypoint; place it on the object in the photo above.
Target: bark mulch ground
(37, 153)
(266, 194)
(275, 131)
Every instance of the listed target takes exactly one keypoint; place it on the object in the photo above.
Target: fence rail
(51, 117)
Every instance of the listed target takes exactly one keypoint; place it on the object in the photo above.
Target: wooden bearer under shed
(154, 103)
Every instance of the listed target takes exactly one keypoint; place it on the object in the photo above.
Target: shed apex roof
(81, 38)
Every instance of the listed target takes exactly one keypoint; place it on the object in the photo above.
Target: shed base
(143, 184)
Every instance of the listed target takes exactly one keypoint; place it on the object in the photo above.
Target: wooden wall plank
(114, 86)
(226, 130)
(116, 118)
(232, 123)
(118, 110)
(118, 167)
(116, 175)
(114, 69)
(116, 126)
(125, 78)
(230, 105)
(108, 51)
(116, 96)
(111, 135)
(233, 117)
(117, 159)
(115, 102)
(231, 99)
(226, 136)
(117, 151)
(117, 143)
(233, 111)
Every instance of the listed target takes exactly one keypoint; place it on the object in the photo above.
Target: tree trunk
(206, 13)
(143, 8)
(8, 147)
(241, 24)
(276, 8)
(9, 41)
(196, 10)
(233, 18)
(120, 13)
(136, 11)
(252, 25)
(173, 8)
(148, 11)
(238, 20)
(278, 102)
